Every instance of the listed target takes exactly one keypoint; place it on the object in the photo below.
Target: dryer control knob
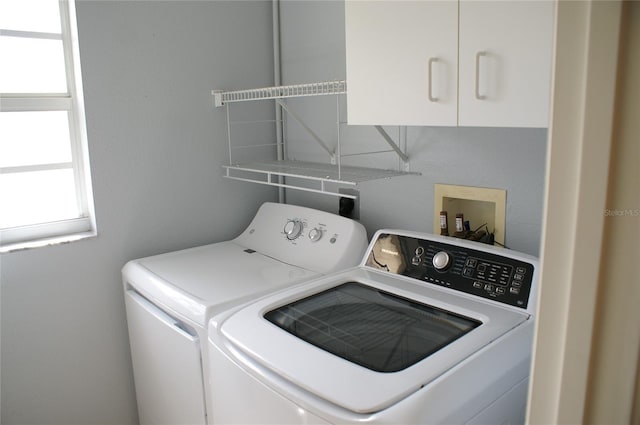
(315, 234)
(441, 260)
(293, 229)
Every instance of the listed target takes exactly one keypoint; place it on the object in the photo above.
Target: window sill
(57, 240)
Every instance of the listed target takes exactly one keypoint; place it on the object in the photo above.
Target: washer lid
(371, 327)
(194, 281)
(355, 385)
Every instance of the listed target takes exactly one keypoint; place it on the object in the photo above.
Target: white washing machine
(426, 330)
(169, 298)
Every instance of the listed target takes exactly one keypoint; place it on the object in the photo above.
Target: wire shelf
(320, 178)
(280, 92)
(291, 174)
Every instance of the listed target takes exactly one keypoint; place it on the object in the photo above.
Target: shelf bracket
(315, 137)
(217, 98)
(391, 143)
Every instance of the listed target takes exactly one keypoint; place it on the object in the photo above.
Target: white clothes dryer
(170, 297)
(426, 330)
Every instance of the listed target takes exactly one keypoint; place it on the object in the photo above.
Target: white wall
(512, 159)
(156, 145)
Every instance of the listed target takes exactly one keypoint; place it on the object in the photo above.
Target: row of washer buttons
(518, 278)
(499, 290)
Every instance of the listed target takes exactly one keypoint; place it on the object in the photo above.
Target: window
(45, 190)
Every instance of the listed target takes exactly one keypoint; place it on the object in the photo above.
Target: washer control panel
(311, 239)
(457, 266)
(299, 229)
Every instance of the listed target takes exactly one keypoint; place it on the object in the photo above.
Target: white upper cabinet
(504, 71)
(402, 59)
(447, 63)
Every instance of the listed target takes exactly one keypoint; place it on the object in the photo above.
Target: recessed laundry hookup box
(483, 209)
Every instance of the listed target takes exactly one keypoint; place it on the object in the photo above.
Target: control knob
(441, 260)
(315, 234)
(293, 229)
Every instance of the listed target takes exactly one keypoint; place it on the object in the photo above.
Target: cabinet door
(401, 62)
(505, 63)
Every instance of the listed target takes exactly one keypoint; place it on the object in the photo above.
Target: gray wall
(156, 145)
(512, 159)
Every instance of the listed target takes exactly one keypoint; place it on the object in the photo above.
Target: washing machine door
(166, 365)
(363, 344)
(369, 327)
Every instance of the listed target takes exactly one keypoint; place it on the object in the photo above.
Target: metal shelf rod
(255, 121)
(269, 182)
(367, 153)
(261, 145)
(391, 143)
(308, 129)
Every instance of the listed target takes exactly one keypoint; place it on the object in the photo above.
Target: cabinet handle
(430, 79)
(478, 95)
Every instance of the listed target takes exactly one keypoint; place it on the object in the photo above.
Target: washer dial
(293, 229)
(315, 234)
(441, 260)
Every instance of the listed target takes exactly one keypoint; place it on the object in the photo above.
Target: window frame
(72, 102)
